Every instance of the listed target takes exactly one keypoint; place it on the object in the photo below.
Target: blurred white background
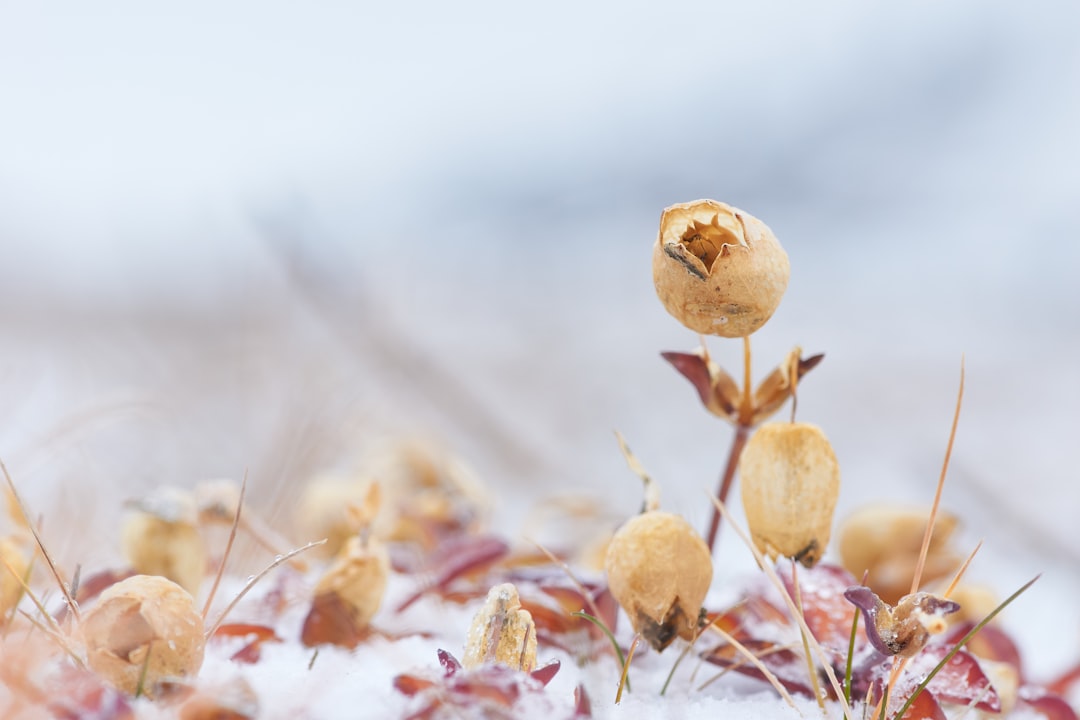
(259, 235)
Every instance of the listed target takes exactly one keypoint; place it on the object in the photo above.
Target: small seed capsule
(501, 632)
(142, 632)
(718, 270)
(659, 570)
(790, 482)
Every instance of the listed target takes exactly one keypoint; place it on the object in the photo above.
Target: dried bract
(501, 632)
(723, 397)
(790, 483)
(902, 630)
(885, 541)
(143, 627)
(659, 571)
(717, 269)
(161, 537)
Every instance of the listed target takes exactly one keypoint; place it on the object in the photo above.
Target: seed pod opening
(790, 482)
(659, 570)
(501, 632)
(145, 623)
(718, 270)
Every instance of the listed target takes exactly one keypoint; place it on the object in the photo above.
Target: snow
(255, 238)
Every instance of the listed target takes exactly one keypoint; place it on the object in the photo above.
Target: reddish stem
(742, 434)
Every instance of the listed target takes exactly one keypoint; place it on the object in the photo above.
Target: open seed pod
(885, 541)
(717, 269)
(790, 482)
(659, 570)
(501, 632)
(144, 624)
(161, 537)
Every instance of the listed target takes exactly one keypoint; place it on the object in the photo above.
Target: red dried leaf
(1053, 706)
(411, 684)
(546, 673)
(827, 612)
(460, 558)
(991, 643)
(582, 704)
(925, 707)
(261, 632)
(1065, 682)
(330, 622)
(84, 696)
(786, 665)
(961, 681)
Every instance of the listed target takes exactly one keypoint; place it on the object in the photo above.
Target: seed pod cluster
(790, 483)
(659, 570)
(142, 632)
(885, 541)
(502, 632)
(161, 537)
(718, 270)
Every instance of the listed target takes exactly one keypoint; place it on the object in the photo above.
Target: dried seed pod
(350, 592)
(431, 493)
(790, 482)
(14, 566)
(885, 541)
(902, 630)
(501, 632)
(659, 571)
(323, 511)
(161, 537)
(717, 269)
(144, 624)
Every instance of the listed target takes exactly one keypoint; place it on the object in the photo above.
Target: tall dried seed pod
(143, 629)
(790, 482)
(659, 570)
(161, 537)
(885, 541)
(501, 632)
(717, 269)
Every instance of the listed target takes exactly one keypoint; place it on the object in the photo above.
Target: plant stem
(742, 434)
